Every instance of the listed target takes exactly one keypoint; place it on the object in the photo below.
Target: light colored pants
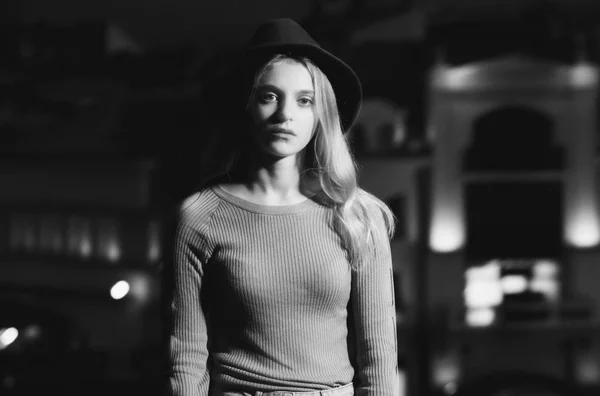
(345, 390)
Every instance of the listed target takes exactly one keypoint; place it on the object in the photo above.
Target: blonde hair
(330, 171)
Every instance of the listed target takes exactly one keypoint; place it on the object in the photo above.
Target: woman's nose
(285, 111)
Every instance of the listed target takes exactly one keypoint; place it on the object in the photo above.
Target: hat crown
(286, 36)
(281, 31)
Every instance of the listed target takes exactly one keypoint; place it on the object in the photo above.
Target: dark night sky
(159, 23)
(208, 24)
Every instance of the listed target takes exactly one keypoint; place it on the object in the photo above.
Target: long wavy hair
(330, 170)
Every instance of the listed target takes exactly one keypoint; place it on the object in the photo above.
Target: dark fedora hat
(286, 36)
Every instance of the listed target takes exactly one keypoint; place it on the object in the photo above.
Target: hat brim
(346, 84)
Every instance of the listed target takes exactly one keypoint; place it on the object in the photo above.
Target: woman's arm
(188, 352)
(374, 312)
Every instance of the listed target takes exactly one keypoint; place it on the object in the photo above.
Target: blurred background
(479, 128)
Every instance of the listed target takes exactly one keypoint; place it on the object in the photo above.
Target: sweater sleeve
(374, 312)
(188, 351)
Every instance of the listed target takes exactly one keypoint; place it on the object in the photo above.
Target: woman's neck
(275, 182)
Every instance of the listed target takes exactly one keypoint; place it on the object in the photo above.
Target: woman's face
(283, 109)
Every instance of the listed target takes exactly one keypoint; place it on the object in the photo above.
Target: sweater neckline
(263, 209)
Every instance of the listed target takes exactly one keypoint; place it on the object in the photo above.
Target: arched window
(513, 138)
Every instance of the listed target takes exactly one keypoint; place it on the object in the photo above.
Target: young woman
(282, 275)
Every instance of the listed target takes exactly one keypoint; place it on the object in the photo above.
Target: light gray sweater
(264, 299)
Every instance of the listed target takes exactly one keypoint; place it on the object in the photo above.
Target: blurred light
(548, 287)
(487, 272)
(85, 246)
(108, 240)
(446, 233)
(113, 252)
(582, 229)
(446, 368)
(545, 269)
(455, 77)
(483, 294)
(450, 388)
(154, 241)
(587, 368)
(584, 233)
(480, 317)
(119, 290)
(79, 236)
(583, 75)
(483, 288)
(140, 287)
(545, 279)
(8, 336)
(514, 284)
(401, 383)
(32, 332)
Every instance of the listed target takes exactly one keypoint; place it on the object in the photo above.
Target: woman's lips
(281, 131)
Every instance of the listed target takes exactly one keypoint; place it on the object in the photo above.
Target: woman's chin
(279, 152)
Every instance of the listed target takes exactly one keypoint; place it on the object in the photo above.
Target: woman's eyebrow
(277, 89)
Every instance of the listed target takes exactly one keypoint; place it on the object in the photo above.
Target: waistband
(344, 390)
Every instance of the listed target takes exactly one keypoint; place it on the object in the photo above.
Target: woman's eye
(268, 97)
(305, 101)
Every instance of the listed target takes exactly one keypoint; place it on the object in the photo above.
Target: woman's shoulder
(198, 207)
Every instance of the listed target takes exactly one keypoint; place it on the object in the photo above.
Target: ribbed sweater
(264, 299)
